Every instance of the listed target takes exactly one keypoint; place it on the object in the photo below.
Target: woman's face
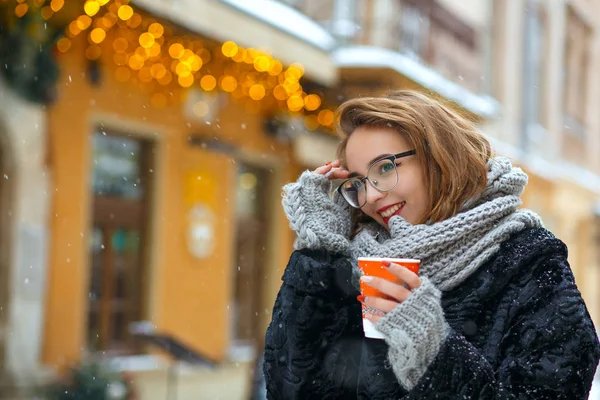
(409, 198)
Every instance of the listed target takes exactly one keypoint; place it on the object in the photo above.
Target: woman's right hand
(333, 170)
(320, 222)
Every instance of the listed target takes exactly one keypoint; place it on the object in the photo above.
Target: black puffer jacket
(519, 330)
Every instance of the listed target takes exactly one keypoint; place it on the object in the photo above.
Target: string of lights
(165, 60)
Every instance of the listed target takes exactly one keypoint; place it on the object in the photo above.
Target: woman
(494, 312)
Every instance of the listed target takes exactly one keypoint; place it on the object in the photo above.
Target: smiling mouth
(391, 211)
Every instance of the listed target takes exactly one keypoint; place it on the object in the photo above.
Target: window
(120, 186)
(535, 61)
(577, 60)
(414, 31)
(253, 212)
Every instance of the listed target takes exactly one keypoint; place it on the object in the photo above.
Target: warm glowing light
(296, 70)
(262, 63)
(240, 55)
(93, 52)
(136, 62)
(97, 35)
(326, 117)
(134, 21)
(125, 12)
(146, 40)
(120, 45)
(186, 81)
(145, 75)
(21, 10)
(47, 13)
(183, 70)
(153, 51)
(91, 8)
(195, 63)
(257, 92)
(295, 103)
(158, 71)
(280, 93)
(229, 49)
(83, 22)
(312, 102)
(63, 45)
(176, 50)
(229, 83)
(74, 28)
(275, 68)
(57, 5)
(208, 82)
(165, 80)
(187, 56)
(291, 86)
(156, 30)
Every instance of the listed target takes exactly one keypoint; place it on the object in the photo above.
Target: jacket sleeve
(548, 349)
(315, 331)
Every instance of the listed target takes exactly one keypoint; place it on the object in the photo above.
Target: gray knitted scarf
(453, 249)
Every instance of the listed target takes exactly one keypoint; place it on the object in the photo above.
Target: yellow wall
(187, 296)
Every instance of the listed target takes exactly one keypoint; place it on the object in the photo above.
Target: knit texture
(451, 250)
(517, 328)
(405, 328)
(319, 221)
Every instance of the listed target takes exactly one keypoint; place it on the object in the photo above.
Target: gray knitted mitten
(319, 221)
(414, 331)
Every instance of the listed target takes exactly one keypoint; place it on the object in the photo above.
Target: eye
(356, 184)
(386, 167)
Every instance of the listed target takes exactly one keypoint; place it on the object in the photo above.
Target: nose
(373, 195)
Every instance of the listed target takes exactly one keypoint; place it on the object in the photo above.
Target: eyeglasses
(382, 174)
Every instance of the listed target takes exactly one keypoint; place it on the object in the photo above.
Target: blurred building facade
(141, 194)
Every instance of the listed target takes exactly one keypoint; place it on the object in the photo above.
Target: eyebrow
(373, 161)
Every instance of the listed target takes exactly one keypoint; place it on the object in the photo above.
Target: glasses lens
(354, 191)
(383, 175)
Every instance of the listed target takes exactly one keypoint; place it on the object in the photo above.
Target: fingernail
(365, 278)
(385, 263)
(360, 298)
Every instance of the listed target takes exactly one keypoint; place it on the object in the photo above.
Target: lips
(389, 211)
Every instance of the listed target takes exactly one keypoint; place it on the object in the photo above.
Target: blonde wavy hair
(452, 153)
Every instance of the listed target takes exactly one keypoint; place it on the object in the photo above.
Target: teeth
(390, 211)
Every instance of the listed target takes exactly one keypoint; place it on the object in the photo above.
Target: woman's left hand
(397, 293)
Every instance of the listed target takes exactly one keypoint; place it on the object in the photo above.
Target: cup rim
(394, 260)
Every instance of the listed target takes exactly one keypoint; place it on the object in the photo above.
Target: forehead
(366, 143)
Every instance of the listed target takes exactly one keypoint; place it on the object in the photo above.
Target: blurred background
(144, 143)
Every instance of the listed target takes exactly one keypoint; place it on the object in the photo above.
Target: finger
(372, 317)
(405, 275)
(383, 305)
(322, 170)
(394, 290)
(338, 173)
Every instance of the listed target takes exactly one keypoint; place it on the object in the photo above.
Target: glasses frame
(362, 180)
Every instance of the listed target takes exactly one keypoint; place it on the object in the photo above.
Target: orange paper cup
(370, 266)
